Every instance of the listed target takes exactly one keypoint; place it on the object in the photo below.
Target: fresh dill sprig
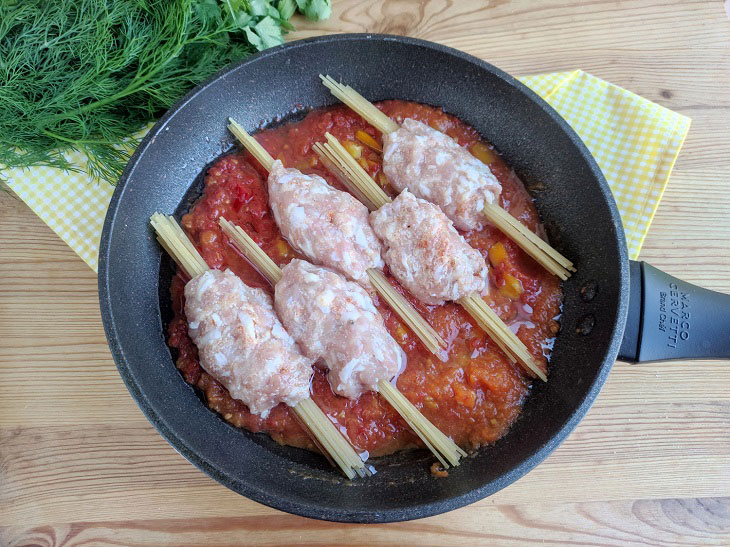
(88, 74)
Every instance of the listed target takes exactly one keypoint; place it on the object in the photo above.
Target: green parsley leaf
(286, 8)
(269, 32)
(315, 9)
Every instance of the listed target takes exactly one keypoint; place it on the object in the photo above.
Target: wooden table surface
(650, 463)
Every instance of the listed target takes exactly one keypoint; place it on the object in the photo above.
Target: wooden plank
(64, 472)
(656, 522)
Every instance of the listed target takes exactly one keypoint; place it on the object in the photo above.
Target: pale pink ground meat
(328, 226)
(335, 320)
(242, 343)
(434, 167)
(425, 253)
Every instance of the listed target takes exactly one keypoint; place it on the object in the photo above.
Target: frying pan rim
(334, 513)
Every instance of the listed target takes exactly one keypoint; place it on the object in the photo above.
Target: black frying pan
(576, 206)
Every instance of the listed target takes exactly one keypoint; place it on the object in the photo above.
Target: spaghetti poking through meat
(426, 254)
(434, 167)
(334, 320)
(242, 344)
(331, 228)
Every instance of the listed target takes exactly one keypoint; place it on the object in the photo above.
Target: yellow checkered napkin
(635, 142)
(70, 203)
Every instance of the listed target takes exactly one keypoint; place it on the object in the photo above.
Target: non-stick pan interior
(574, 201)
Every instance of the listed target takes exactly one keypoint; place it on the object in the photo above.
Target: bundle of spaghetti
(445, 450)
(533, 245)
(486, 318)
(530, 242)
(400, 305)
(325, 435)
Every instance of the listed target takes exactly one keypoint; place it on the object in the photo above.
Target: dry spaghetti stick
(541, 251)
(528, 241)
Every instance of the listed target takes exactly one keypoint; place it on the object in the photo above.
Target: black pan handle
(672, 319)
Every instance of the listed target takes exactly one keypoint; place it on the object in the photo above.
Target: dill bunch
(88, 74)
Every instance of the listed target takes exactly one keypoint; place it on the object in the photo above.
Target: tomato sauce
(477, 394)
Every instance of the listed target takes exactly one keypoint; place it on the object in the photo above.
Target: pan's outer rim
(395, 515)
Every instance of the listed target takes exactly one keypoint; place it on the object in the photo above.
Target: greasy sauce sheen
(477, 394)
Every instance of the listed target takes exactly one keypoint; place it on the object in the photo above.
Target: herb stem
(72, 141)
